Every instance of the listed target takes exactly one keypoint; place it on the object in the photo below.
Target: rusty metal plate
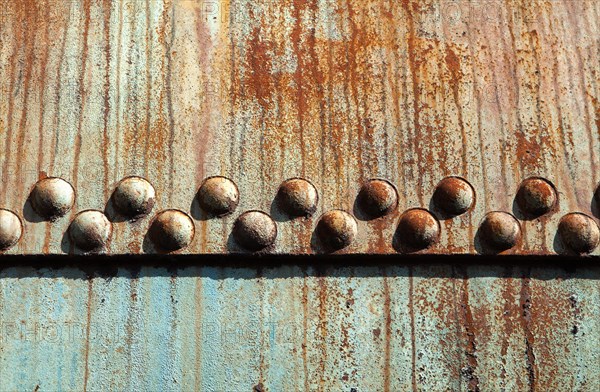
(419, 95)
(372, 326)
(337, 93)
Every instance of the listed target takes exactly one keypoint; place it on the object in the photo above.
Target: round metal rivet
(90, 230)
(172, 230)
(417, 229)
(218, 196)
(453, 196)
(377, 197)
(11, 229)
(536, 197)
(336, 229)
(500, 230)
(579, 232)
(298, 197)
(134, 197)
(255, 230)
(52, 198)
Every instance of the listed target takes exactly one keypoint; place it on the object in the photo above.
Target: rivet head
(90, 230)
(298, 197)
(336, 229)
(579, 232)
(51, 198)
(536, 197)
(417, 229)
(255, 230)
(500, 231)
(11, 229)
(134, 197)
(172, 230)
(377, 197)
(218, 196)
(453, 196)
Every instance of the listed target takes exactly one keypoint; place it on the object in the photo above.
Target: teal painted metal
(290, 328)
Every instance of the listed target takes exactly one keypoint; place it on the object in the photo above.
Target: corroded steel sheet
(333, 92)
(434, 327)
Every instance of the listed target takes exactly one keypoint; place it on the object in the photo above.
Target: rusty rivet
(172, 230)
(536, 197)
(336, 229)
(500, 231)
(218, 196)
(377, 197)
(134, 197)
(417, 229)
(579, 232)
(255, 230)
(298, 197)
(52, 198)
(90, 230)
(11, 229)
(453, 196)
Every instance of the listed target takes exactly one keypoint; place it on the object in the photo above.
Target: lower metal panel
(308, 324)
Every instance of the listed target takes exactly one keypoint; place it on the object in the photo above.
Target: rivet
(377, 197)
(255, 230)
(11, 229)
(579, 232)
(536, 197)
(298, 197)
(453, 196)
(134, 197)
(52, 198)
(218, 196)
(90, 230)
(500, 231)
(336, 229)
(417, 229)
(172, 230)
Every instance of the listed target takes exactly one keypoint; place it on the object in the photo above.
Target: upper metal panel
(337, 93)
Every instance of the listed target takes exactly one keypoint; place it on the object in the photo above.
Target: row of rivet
(418, 228)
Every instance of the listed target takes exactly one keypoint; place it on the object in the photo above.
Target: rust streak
(105, 137)
(388, 333)
(87, 333)
(305, 330)
(470, 372)
(411, 311)
(526, 306)
(84, 55)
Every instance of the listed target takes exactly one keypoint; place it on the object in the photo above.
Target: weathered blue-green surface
(293, 328)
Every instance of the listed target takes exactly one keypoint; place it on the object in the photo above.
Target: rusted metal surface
(410, 92)
(371, 327)
(336, 93)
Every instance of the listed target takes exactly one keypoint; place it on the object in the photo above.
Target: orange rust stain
(258, 79)
(529, 150)
(106, 6)
(202, 133)
(388, 334)
(526, 306)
